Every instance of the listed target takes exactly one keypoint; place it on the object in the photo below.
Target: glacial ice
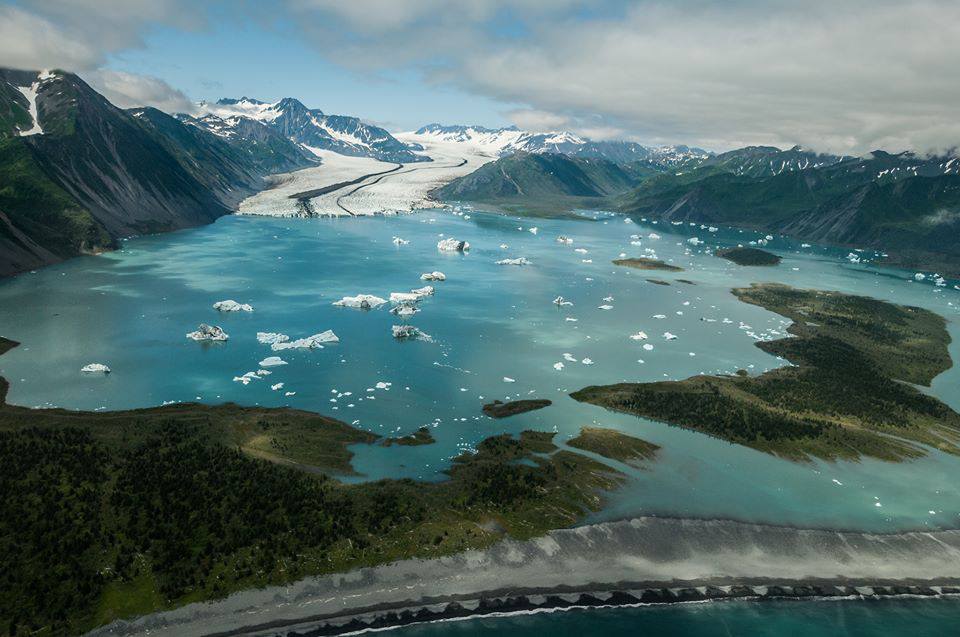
(561, 301)
(409, 332)
(400, 242)
(232, 306)
(310, 342)
(95, 368)
(564, 239)
(361, 301)
(452, 245)
(208, 333)
(272, 361)
(433, 276)
(517, 261)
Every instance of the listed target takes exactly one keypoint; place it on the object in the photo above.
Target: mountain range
(310, 127)
(904, 204)
(78, 173)
(505, 141)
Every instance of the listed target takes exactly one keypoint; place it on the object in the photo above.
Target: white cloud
(28, 41)
(127, 90)
(842, 76)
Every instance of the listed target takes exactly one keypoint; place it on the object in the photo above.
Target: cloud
(79, 36)
(127, 90)
(845, 77)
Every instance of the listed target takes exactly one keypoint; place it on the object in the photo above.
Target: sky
(843, 76)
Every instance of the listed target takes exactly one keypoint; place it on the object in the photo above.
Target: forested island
(848, 393)
(748, 256)
(115, 514)
(644, 263)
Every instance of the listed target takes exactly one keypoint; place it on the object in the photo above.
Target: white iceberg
(272, 361)
(361, 301)
(507, 379)
(561, 301)
(452, 245)
(409, 332)
(269, 338)
(570, 358)
(605, 307)
(653, 235)
(412, 296)
(246, 378)
(426, 290)
(232, 306)
(276, 387)
(669, 336)
(517, 261)
(433, 276)
(208, 333)
(405, 309)
(558, 366)
(95, 368)
(564, 239)
(400, 242)
(310, 342)
(534, 230)
(580, 250)
(587, 361)
(639, 336)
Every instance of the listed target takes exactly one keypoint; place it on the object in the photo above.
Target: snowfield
(400, 190)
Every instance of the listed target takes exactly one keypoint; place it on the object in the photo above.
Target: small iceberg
(433, 276)
(400, 242)
(276, 387)
(361, 301)
(517, 261)
(639, 336)
(95, 368)
(570, 358)
(405, 309)
(208, 333)
(272, 361)
(558, 366)
(409, 332)
(587, 361)
(426, 290)
(560, 301)
(534, 230)
(669, 336)
(278, 342)
(507, 379)
(605, 307)
(232, 306)
(452, 245)
(565, 240)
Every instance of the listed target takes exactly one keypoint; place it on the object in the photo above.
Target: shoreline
(630, 562)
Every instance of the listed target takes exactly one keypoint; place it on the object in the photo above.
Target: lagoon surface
(131, 309)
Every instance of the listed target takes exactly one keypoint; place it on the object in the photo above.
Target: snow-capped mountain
(309, 127)
(510, 140)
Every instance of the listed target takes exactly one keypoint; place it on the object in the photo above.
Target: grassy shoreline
(118, 514)
(847, 395)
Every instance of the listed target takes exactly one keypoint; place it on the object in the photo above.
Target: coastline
(638, 561)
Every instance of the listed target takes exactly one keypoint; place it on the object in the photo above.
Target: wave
(639, 561)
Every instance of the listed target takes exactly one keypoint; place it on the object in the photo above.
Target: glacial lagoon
(132, 308)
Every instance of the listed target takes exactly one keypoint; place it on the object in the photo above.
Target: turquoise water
(131, 310)
(881, 618)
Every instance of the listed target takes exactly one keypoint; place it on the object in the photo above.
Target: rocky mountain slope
(504, 141)
(78, 173)
(310, 127)
(531, 178)
(904, 204)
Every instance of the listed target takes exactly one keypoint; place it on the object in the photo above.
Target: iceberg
(564, 239)
(669, 336)
(558, 366)
(517, 261)
(409, 332)
(570, 358)
(272, 361)
(208, 333)
(433, 276)
(405, 309)
(639, 336)
(400, 242)
(232, 306)
(246, 378)
(426, 290)
(95, 368)
(507, 379)
(452, 245)
(269, 338)
(412, 296)
(587, 361)
(605, 307)
(561, 301)
(310, 342)
(361, 301)
(276, 387)
(534, 230)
